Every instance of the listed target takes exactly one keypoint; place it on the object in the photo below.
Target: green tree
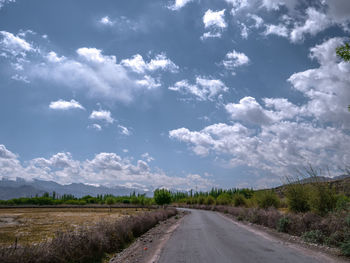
(344, 53)
(110, 201)
(162, 197)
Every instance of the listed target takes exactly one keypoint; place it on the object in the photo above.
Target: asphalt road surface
(206, 236)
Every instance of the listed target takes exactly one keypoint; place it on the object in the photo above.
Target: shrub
(239, 200)
(223, 199)
(201, 200)
(267, 198)
(345, 248)
(162, 197)
(297, 195)
(322, 198)
(110, 200)
(343, 203)
(282, 224)
(209, 200)
(314, 236)
(86, 244)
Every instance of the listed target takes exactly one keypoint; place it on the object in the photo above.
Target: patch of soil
(147, 248)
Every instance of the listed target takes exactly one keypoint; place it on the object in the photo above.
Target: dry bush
(87, 244)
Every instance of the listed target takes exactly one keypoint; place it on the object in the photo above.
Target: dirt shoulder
(147, 248)
(324, 253)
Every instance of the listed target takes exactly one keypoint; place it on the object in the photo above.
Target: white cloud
(14, 45)
(148, 82)
(235, 59)
(147, 157)
(3, 2)
(237, 5)
(99, 74)
(315, 23)
(6, 154)
(108, 169)
(215, 22)
(275, 4)
(106, 21)
(65, 105)
(279, 30)
(214, 19)
(338, 10)
(244, 31)
(96, 127)
(179, 4)
(278, 137)
(102, 115)
(248, 110)
(124, 130)
(258, 20)
(20, 78)
(211, 35)
(326, 87)
(204, 89)
(137, 64)
(54, 58)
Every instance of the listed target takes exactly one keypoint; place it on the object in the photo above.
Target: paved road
(205, 236)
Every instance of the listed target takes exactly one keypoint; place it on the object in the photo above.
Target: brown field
(34, 225)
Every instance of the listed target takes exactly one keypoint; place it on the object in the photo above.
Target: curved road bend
(205, 236)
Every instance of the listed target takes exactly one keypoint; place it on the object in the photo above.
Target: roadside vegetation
(54, 199)
(86, 244)
(317, 211)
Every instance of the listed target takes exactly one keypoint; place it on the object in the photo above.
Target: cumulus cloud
(204, 89)
(147, 157)
(235, 59)
(108, 169)
(100, 74)
(3, 2)
(237, 5)
(298, 23)
(276, 137)
(102, 115)
(65, 105)
(248, 110)
(314, 23)
(14, 45)
(90, 70)
(326, 87)
(257, 19)
(179, 4)
(276, 4)
(160, 62)
(215, 22)
(279, 30)
(214, 19)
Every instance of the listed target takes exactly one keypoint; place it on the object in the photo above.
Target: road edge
(285, 239)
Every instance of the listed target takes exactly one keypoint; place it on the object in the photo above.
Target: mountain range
(21, 188)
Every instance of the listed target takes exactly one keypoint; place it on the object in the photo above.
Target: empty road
(206, 236)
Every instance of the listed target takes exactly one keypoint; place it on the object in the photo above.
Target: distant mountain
(20, 191)
(20, 188)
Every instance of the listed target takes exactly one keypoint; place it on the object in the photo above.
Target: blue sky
(179, 94)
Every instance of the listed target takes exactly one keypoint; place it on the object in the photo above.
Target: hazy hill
(21, 188)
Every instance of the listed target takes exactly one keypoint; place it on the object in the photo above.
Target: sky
(181, 94)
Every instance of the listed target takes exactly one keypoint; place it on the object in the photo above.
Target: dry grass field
(33, 225)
